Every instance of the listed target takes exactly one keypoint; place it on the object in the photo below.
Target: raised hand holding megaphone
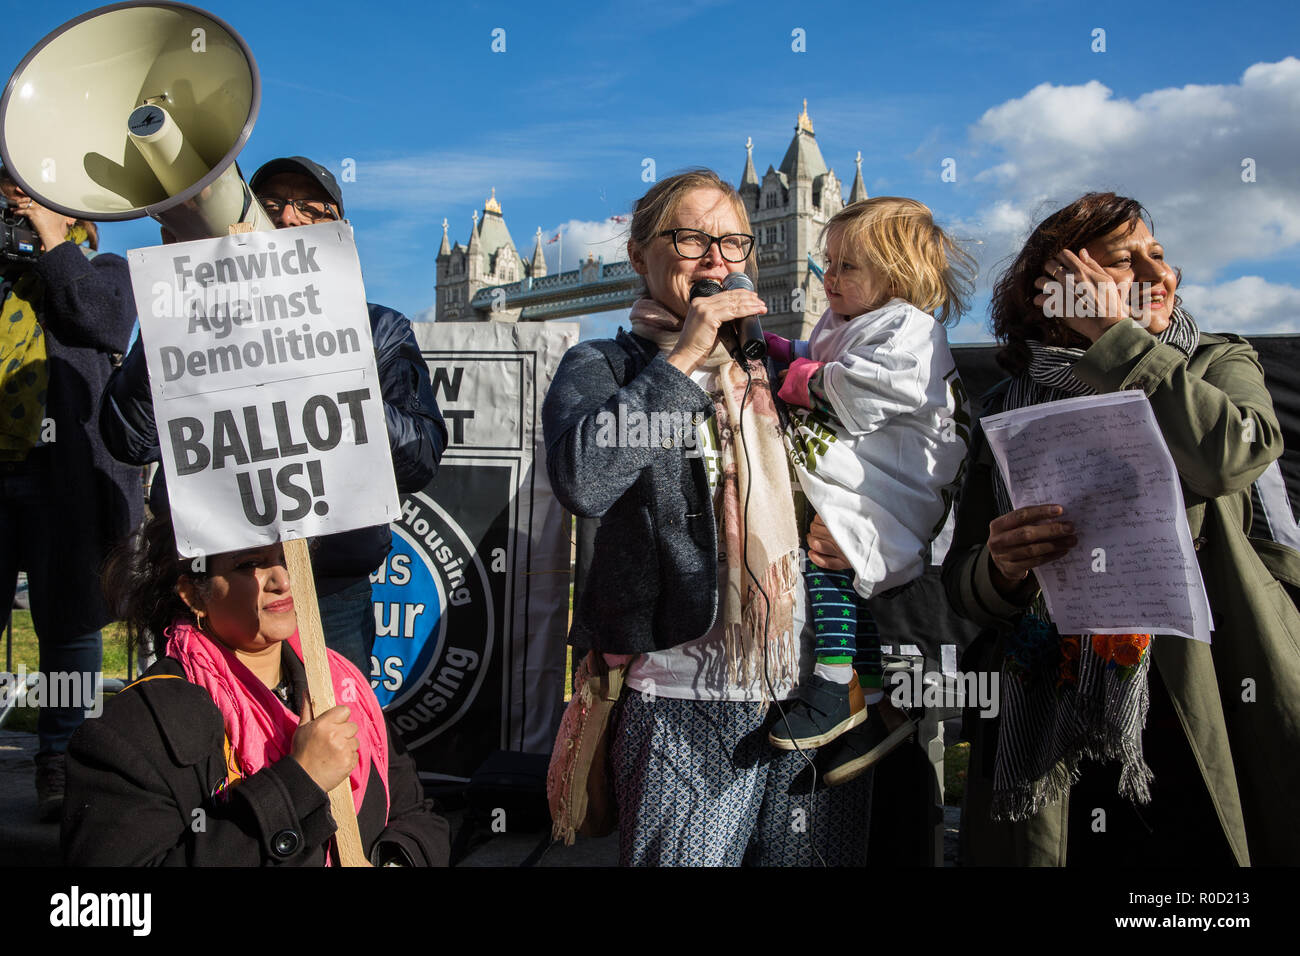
(140, 109)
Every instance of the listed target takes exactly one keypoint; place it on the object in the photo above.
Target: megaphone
(137, 109)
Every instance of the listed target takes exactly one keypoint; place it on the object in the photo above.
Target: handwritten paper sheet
(1103, 459)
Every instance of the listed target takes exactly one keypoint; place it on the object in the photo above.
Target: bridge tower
(788, 208)
(488, 280)
(490, 259)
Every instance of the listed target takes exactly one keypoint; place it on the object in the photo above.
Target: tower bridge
(487, 279)
(595, 286)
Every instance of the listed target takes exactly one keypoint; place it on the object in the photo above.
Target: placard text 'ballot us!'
(269, 409)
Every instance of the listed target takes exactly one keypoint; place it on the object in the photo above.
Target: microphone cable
(767, 608)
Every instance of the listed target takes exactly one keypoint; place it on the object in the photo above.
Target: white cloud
(605, 239)
(1246, 305)
(1179, 151)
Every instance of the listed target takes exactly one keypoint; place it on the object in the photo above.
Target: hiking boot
(49, 787)
(823, 711)
(885, 728)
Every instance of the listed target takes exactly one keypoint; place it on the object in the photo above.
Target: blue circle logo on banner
(431, 585)
(408, 610)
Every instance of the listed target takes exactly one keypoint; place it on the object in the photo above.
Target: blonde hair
(656, 208)
(898, 240)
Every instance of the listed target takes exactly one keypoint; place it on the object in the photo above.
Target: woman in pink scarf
(209, 758)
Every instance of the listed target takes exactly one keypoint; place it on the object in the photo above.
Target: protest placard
(269, 408)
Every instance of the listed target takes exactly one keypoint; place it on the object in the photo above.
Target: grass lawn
(955, 761)
(26, 655)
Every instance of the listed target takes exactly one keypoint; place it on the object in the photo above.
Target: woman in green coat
(1130, 749)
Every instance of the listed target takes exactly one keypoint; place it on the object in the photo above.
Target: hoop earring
(198, 617)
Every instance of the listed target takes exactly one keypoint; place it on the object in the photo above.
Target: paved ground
(511, 850)
(23, 842)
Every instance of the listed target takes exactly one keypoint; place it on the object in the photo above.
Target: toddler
(879, 434)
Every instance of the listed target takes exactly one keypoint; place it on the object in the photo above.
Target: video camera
(18, 241)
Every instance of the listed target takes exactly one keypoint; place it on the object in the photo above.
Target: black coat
(145, 782)
(87, 312)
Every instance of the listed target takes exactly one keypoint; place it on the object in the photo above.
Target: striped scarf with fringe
(1067, 698)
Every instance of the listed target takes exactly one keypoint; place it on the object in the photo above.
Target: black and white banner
(471, 607)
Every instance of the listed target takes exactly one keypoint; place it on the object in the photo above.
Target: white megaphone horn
(137, 109)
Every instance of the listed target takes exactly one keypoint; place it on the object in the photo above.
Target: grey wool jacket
(653, 578)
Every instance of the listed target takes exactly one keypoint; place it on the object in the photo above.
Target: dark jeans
(26, 545)
(348, 619)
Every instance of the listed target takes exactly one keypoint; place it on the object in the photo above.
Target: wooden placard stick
(320, 689)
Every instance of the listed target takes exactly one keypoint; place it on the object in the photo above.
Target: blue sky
(561, 122)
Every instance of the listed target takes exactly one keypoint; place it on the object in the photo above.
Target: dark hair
(1014, 316)
(140, 581)
(92, 233)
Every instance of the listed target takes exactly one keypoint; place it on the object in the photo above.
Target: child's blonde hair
(898, 240)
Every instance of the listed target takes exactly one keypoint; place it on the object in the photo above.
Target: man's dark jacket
(417, 436)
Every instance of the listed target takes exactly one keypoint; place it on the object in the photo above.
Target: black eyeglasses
(315, 210)
(694, 244)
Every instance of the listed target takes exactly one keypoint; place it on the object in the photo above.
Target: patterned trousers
(698, 784)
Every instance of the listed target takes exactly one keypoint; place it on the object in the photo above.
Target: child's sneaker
(823, 711)
(885, 728)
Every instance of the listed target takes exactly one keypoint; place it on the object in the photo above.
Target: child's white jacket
(883, 472)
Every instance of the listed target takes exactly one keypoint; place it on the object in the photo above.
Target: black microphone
(705, 288)
(749, 331)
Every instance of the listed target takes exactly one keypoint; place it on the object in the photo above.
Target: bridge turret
(749, 185)
(859, 191)
(537, 267)
(474, 264)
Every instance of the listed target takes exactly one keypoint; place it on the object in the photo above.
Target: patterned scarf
(770, 541)
(1066, 698)
(24, 363)
(259, 727)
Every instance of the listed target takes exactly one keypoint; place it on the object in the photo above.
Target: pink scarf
(259, 727)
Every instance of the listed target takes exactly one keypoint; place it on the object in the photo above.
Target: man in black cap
(295, 191)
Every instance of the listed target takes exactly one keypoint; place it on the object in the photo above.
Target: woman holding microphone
(696, 585)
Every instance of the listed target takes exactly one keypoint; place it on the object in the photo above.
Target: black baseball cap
(304, 166)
